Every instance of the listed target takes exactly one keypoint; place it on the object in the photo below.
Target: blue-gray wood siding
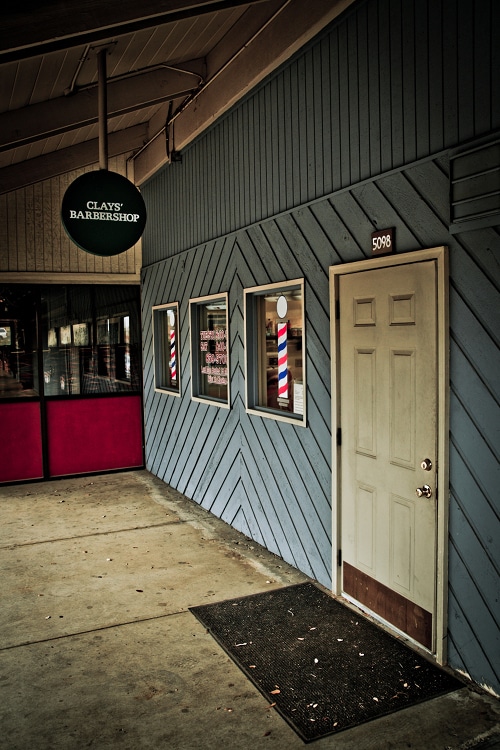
(292, 181)
(389, 84)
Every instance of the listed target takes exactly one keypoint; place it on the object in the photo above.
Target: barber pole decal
(173, 365)
(282, 361)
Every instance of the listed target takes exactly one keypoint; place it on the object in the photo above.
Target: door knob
(424, 491)
(426, 464)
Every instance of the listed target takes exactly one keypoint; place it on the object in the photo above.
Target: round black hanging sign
(103, 213)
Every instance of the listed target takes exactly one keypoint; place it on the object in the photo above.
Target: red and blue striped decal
(173, 364)
(282, 361)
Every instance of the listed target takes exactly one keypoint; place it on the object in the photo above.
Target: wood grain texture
(33, 240)
(349, 137)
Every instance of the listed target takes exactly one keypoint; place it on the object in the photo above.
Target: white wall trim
(40, 277)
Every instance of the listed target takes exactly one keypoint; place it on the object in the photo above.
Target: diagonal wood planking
(203, 450)
(272, 480)
(293, 179)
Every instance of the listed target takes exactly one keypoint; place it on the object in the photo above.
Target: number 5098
(382, 242)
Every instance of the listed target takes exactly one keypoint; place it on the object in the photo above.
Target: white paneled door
(388, 348)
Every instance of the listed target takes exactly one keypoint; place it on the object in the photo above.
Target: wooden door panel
(403, 407)
(388, 387)
(365, 380)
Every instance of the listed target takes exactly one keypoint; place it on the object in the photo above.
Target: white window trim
(158, 389)
(194, 303)
(262, 411)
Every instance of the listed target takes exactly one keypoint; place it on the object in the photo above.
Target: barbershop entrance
(391, 491)
(70, 380)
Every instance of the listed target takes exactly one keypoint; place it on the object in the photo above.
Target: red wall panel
(20, 441)
(95, 434)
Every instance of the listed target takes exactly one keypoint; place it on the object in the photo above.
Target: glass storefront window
(18, 352)
(166, 348)
(91, 340)
(275, 351)
(69, 340)
(209, 349)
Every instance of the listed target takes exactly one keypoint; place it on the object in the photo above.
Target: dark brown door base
(394, 608)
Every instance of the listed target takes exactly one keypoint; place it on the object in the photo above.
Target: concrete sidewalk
(98, 648)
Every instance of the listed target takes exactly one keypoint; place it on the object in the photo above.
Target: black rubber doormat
(324, 667)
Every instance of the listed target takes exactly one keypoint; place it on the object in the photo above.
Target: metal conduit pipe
(102, 109)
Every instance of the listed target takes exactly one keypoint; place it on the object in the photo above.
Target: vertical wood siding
(294, 180)
(33, 239)
(389, 84)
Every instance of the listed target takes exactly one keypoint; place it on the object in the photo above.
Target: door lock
(426, 464)
(424, 491)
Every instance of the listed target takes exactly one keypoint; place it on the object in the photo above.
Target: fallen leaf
(275, 692)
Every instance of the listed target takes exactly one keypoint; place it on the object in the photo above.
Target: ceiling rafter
(38, 121)
(287, 30)
(177, 66)
(69, 159)
(56, 29)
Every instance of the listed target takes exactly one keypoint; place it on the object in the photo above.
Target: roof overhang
(174, 67)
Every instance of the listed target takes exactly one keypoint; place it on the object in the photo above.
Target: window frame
(159, 346)
(255, 351)
(195, 305)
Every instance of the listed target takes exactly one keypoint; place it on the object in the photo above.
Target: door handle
(424, 491)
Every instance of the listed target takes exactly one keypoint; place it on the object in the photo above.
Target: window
(91, 340)
(63, 341)
(209, 349)
(18, 351)
(166, 348)
(113, 347)
(274, 345)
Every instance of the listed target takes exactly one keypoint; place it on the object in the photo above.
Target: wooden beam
(33, 28)
(37, 121)
(291, 27)
(68, 159)
(79, 277)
